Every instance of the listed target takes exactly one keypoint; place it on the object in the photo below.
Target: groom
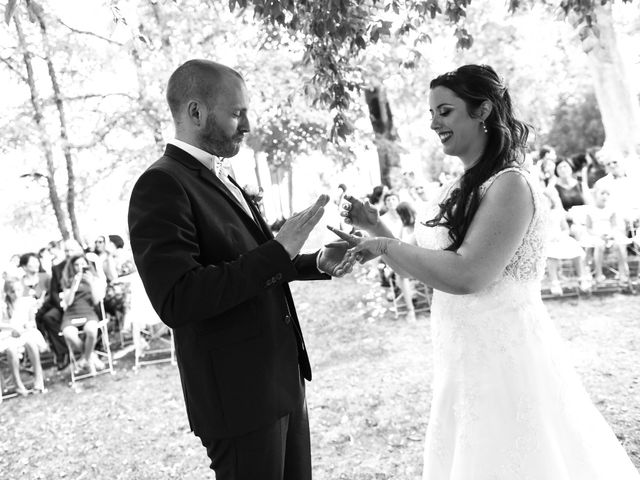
(215, 274)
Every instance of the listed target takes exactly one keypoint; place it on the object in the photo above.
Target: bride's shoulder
(512, 184)
(513, 175)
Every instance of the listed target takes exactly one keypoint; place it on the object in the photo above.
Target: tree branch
(91, 34)
(99, 95)
(14, 69)
(100, 135)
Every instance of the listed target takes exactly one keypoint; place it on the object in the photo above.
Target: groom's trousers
(281, 451)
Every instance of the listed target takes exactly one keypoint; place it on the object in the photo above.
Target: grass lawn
(368, 402)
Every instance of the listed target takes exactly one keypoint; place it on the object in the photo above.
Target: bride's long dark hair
(507, 138)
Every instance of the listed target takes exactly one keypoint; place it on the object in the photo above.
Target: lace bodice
(528, 263)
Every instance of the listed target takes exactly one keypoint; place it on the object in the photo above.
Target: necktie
(222, 174)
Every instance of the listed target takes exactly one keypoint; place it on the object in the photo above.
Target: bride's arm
(494, 235)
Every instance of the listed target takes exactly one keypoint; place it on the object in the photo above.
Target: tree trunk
(290, 187)
(45, 143)
(618, 105)
(385, 133)
(256, 166)
(57, 96)
(276, 180)
(147, 107)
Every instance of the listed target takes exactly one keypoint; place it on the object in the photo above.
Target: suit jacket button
(279, 276)
(287, 319)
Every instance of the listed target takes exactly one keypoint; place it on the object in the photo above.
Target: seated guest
(376, 197)
(84, 287)
(116, 296)
(122, 256)
(407, 215)
(35, 283)
(11, 268)
(46, 260)
(391, 218)
(104, 250)
(604, 231)
(18, 330)
(622, 187)
(567, 185)
(49, 316)
(561, 246)
(547, 173)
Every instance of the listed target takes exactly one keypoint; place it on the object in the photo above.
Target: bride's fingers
(352, 200)
(350, 239)
(337, 244)
(361, 248)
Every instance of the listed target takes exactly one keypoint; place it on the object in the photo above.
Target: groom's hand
(332, 259)
(297, 228)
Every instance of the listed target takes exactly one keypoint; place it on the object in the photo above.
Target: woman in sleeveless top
(507, 404)
(84, 287)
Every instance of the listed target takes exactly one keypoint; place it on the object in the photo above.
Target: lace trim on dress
(528, 263)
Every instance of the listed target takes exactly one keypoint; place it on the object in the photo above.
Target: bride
(506, 403)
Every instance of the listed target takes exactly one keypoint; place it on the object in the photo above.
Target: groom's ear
(196, 113)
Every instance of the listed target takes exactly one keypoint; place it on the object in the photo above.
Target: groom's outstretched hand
(297, 228)
(334, 261)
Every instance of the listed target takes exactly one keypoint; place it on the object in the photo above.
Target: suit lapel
(206, 175)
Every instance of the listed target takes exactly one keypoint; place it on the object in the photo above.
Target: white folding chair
(7, 390)
(153, 344)
(421, 297)
(7, 384)
(152, 340)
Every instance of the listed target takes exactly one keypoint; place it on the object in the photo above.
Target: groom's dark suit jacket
(219, 279)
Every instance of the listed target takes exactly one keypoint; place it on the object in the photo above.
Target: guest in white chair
(18, 330)
(84, 287)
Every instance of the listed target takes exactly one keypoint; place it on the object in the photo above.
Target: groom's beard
(217, 142)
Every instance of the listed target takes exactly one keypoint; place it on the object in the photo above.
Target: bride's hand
(363, 249)
(359, 214)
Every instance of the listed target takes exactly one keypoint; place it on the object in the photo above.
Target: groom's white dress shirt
(214, 164)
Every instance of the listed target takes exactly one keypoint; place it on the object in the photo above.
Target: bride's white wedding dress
(507, 403)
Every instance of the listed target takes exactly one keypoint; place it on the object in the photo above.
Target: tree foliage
(577, 125)
(112, 80)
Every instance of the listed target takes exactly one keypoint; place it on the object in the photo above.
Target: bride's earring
(484, 127)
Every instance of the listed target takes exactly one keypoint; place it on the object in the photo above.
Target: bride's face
(461, 134)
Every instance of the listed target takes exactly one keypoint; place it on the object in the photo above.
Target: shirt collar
(211, 162)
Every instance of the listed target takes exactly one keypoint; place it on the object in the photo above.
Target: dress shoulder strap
(522, 171)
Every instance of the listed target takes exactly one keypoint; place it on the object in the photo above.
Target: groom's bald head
(201, 80)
